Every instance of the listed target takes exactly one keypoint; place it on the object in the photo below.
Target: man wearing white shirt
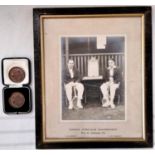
(111, 78)
(72, 80)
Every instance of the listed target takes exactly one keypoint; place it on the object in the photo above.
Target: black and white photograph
(93, 77)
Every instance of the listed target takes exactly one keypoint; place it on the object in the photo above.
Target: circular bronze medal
(16, 74)
(16, 100)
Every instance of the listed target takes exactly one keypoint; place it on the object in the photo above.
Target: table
(92, 88)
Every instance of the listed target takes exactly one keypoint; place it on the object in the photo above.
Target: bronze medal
(16, 100)
(17, 74)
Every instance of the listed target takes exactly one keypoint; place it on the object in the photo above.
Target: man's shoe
(105, 103)
(70, 106)
(79, 104)
(112, 105)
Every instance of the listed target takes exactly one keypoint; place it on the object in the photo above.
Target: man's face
(111, 63)
(70, 64)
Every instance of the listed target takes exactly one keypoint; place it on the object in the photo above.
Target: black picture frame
(146, 12)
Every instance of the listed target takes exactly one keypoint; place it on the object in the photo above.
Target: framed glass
(93, 77)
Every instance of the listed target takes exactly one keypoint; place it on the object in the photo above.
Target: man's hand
(71, 83)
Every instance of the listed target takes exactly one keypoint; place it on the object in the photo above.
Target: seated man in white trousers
(72, 81)
(111, 82)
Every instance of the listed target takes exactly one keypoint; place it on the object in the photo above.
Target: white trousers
(69, 88)
(108, 90)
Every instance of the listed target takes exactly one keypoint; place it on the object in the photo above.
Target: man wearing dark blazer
(111, 81)
(72, 80)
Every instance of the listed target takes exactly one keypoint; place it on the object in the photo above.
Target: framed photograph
(93, 77)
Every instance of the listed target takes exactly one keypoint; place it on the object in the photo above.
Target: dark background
(80, 45)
